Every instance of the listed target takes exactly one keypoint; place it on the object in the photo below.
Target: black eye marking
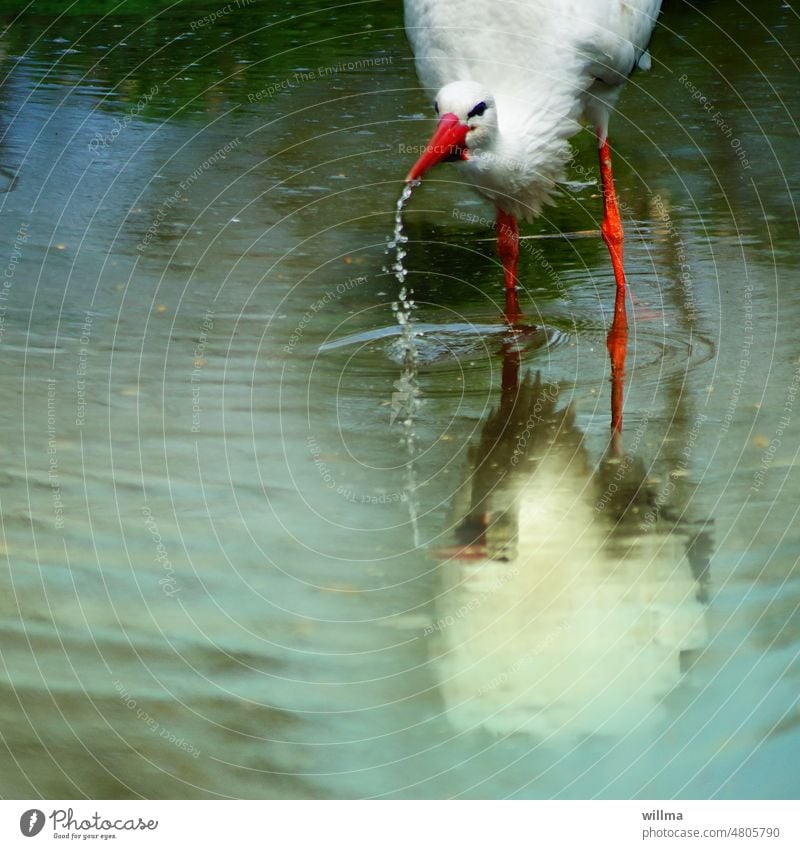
(436, 106)
(477, 111)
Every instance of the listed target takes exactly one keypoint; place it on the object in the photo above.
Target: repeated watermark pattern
(346, 492)
(664, 494)
(719, 120)
(526, 245)
(548, 395)
(185, 184)
(52, 456)
(82, 368)
(168, 583)
(625, 464)
(198, 361)
(743, 366)
(301, 77)
(9, 272)
(222, 12)
(473, 604)
(104, 140)
(152, 724)
(328, 297)
(768, 457)
(684, 268)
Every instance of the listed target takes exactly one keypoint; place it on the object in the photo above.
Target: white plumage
(547, 65)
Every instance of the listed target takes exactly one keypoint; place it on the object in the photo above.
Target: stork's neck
(519, 166)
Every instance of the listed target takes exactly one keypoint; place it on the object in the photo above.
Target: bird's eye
(477, 111)
(436, 106)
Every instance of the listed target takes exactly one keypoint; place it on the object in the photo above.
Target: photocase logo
(31, 822)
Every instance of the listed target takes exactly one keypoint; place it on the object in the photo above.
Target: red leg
(612, 223)
(508, 251)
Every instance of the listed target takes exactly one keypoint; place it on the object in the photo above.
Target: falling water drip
(405, 400)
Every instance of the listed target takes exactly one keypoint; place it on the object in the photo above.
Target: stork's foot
(521, 336)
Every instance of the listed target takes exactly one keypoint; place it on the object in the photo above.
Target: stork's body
(515, 80)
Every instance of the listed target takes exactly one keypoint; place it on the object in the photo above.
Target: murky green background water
(219, 575)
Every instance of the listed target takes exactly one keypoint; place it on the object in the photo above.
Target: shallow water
(224, 572)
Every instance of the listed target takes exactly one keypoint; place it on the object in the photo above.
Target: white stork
(514, 80)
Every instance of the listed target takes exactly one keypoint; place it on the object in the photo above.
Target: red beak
(449, 144)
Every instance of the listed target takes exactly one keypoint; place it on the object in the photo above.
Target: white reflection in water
(572, 601)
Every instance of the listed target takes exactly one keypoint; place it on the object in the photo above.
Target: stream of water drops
(406, 397)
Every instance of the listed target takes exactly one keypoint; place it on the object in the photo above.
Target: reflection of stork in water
(572, 598)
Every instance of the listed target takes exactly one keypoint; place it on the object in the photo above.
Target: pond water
(254, 548)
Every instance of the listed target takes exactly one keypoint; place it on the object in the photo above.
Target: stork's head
(467, 121)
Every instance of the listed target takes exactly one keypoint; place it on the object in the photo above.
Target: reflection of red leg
(617, 349)
(509, 381)
(618, 333)
(508, 251)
